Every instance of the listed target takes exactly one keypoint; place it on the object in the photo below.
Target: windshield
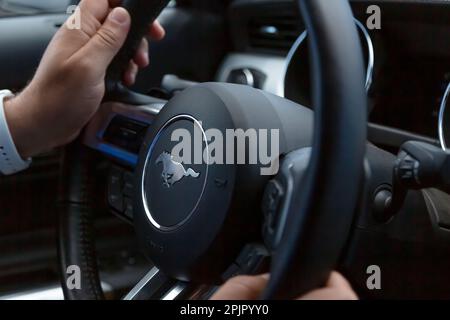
(29, 7)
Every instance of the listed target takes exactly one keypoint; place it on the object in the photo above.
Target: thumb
(108, 40)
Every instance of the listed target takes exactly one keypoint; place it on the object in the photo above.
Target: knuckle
(108, 37)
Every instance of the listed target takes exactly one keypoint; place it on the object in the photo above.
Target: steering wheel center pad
(193, 219)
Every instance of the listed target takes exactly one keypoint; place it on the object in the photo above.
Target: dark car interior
(260, 44)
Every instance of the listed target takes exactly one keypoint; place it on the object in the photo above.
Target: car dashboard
(407, 57)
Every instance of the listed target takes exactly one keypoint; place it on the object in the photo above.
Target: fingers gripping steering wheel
(194, 230)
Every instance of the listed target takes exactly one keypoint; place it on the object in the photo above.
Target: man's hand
(251, 288)
(69, 84)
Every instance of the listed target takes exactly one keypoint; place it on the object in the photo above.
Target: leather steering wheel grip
(321, 215)
(76, 245)
(143, 12)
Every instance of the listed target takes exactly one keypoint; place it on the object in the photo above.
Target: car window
(30, 7)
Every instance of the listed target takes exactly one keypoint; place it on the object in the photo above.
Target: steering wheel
(197, 227)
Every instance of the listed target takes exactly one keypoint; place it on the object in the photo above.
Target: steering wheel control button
(128, 208)
(121, 192)
(272, 199)
(171, 187)
(115, 197)
(116, 202)
(128, 188)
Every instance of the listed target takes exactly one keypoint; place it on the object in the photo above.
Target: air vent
(273, 33)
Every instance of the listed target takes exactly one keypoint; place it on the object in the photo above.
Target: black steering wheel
(194, 227)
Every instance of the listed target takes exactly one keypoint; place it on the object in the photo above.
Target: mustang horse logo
(173, 171)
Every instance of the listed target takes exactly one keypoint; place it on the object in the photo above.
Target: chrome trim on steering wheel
(441, 117)
(147, 163)
(175, 292)
(141, 284)
(148, 287)
(370, 58)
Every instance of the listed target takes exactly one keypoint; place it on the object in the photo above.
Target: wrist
(11, 160)
(17, 113)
